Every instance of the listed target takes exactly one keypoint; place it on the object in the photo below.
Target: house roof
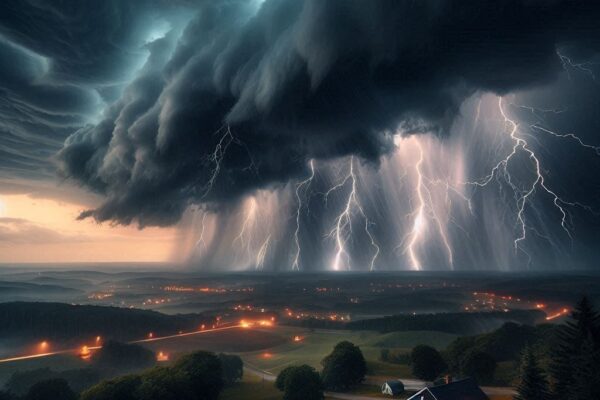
(395, 384)
(465, 389)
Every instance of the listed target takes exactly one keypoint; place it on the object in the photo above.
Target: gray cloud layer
(294, 80)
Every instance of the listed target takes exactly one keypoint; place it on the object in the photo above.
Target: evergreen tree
(569, 350)
(586, 376)
(532, 384)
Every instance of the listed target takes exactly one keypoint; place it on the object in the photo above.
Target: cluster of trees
(476, 356)
(66, 321)
(195, 376)
(461, 323)
(200, 375)
(573, 372)
(343, 368)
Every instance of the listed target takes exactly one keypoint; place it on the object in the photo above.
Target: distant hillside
(65, 321)
(458, 323)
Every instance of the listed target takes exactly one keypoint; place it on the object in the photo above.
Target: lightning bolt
(301, 185)
(262, 252)
(426, 211)
(419, 221)
(568, 64)
(524, 196)
(215, 159)
(201, 243)
(247, 220)
(342, 229)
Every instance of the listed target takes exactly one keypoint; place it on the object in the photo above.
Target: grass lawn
(408, 340)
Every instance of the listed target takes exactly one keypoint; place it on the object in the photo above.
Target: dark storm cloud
(294, 80)
(60, 62)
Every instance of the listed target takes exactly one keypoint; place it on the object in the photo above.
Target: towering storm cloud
(249, 92)
(230, 105)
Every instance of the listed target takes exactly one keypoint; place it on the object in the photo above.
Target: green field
(315, 345)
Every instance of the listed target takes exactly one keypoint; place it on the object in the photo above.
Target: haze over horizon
(311, 135)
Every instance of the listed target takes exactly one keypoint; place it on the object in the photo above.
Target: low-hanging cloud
(246, 93)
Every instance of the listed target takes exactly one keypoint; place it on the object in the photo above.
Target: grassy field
(315, 345)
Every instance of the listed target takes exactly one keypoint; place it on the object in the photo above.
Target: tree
(280, 380)
(51, 389)
(300, 383)
(532, 382)
(427, 363)
(586, 377)
(122, 388)
(163, 383)
(479, 365)
(582, 327)
(233, 368)
(205, 373)
(344, 367)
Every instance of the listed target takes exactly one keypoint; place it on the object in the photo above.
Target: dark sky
(157, 106)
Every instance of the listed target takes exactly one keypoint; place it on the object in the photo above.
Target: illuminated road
(147, 340)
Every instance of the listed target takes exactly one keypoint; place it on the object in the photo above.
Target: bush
(122, 388)
(300, 383)
(344, 367)
(427, 363)
(51, 389)
(233, 368)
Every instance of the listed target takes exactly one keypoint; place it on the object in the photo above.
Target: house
(465, 389)
(393, 388)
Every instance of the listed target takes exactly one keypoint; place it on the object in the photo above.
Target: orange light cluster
(297, 339)
(85, 353)
(162, 357)
(261, 322)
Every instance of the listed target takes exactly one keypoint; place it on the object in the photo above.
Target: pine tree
(586, 376)
(533, 384)
(569, 349)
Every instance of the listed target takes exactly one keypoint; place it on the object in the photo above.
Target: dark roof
(396, 386)
(465, 389)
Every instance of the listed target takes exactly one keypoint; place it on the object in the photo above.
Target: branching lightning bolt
(524, 196)
(419, 217)
(426, 209)
(584, 67)
(216, 157)
(303, 185)
(342, 229)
